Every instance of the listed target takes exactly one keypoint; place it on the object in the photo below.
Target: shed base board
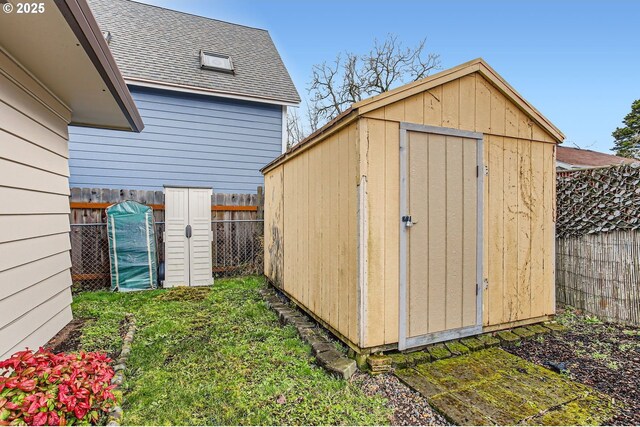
(436, 337)
(509, 325)
(394, 346)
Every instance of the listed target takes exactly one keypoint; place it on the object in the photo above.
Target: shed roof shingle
(163, 45)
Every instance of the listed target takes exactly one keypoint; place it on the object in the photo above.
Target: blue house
(213, 96)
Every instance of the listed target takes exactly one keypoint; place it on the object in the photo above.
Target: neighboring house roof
(69, 56)
(157, 45)
(568, 157)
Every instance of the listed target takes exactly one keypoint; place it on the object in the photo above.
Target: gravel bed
(605, 356)
(409, 407)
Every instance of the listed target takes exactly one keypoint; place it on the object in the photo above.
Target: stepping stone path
(489, 340)
(508, 337)
(523, 332)
(456, 347)
(492, 386)
(438, 351)
(473, 344)
(382, 363)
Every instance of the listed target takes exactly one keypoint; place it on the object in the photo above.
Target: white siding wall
(35, 279)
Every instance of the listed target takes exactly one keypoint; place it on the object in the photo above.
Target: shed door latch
(187, 231)
(407, 221)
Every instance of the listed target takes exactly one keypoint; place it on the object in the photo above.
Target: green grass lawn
(218, 355)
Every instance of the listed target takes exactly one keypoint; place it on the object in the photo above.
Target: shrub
(44, 388)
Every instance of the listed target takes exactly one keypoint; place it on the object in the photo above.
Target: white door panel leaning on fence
(187, 237)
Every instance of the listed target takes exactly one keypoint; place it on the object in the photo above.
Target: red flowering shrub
(44, 388)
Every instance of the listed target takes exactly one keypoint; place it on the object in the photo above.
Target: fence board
(598, 242)
(599, 274)
(237, 232)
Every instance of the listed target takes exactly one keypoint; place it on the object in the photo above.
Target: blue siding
(187, 140)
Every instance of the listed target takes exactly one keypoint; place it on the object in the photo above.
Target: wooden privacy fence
(598, 242)
(88, 204)
(236, 221)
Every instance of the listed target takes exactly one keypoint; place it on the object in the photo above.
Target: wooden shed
(420, 215)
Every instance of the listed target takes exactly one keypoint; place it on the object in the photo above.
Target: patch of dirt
(68, 339)
(605, 356)
(409, 407)
(185, 293)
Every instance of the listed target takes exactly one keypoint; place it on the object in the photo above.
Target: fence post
(260, 203)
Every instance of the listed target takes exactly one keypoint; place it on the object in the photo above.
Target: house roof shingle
(588, 158)
(163, 46)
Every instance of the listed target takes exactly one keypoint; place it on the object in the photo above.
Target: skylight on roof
(216, 61)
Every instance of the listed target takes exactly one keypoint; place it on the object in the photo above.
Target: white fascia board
(201, 91)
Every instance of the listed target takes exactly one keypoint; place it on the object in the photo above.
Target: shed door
(441, 234)
(187, 237)
(200, 241)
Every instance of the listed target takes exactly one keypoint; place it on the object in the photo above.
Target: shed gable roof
(475, 66)
(404, 92)
(157, 45)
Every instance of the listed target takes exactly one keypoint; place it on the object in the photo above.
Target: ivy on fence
(598, 200)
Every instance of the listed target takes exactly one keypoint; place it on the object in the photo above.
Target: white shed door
(200, 241)
(187, 237)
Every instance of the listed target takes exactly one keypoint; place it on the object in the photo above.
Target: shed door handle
(408, 221)
(187, 231)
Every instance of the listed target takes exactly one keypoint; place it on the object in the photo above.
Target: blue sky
(578, 62)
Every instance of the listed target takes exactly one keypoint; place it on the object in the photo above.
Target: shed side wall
(519, 203)
(188, 140)
(35, 279)
(311, 222)
(274, 226)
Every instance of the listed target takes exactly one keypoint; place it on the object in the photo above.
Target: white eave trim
(200, 91)
(285, 133)
(565, 166)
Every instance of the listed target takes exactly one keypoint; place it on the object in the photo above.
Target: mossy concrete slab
(474, 344)
(508, 337)
(523, 332)
(456, 347)
(488, 340)
(343, 367)
(555, 327)
(420, 357)
(401, 360)
(538, 329)
(438, 351)
(492, 386)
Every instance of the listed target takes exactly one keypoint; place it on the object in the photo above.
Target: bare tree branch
(351, 77)
(295, 127)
